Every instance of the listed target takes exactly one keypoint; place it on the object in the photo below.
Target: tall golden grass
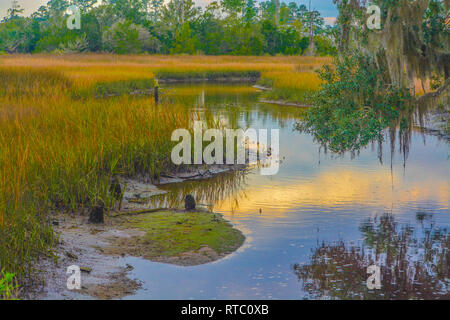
(88, 69)
(59, 152)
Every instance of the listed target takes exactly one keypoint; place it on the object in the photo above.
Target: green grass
(8, 288)
(293, 86)
(173, 233)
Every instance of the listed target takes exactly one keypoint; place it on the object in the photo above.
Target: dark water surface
(312, 229)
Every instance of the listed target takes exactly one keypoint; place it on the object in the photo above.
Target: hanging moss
(372, 84)
(413, 42)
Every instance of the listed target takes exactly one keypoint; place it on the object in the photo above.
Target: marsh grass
(292, 87)
(117, 88)
(8, 286)
(61, 145)
(284, 72)
(60, 154)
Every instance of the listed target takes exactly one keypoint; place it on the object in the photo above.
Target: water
(315, 199)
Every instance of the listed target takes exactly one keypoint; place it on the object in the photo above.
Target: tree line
(234, 27)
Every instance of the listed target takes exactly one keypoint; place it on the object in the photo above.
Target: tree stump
(96, 214)
(189, 203)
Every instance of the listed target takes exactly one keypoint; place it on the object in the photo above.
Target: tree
(57, 7)
(353, 105)
(413, 43)
(84, 5)
(131, 10)
(171, 14)
(185, 42)
(315, 22)
(234, 8)
(222, 27)
(14, 11)
(371, 85)
(126, 37)
(277, 12)
(250, 11)
(154, 9)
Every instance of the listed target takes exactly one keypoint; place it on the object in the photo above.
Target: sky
(325, 7)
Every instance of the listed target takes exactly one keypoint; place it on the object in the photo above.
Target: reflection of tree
(412, 267)
(234, 105)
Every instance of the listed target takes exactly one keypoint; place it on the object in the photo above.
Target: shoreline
(98, 248)
(285, 103)
(216, 80)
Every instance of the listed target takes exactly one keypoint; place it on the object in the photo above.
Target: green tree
(122, 38)
(14, 11)
(354, 105)
(250, 11)
(185, 42)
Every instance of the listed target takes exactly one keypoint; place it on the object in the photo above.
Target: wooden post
(156, 85)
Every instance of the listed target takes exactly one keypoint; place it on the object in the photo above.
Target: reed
(292, 87)
(61, 145)
(60, 153)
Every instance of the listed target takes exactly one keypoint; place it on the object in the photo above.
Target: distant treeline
(235, 27)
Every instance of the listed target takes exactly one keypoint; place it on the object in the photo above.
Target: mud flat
(167, 235)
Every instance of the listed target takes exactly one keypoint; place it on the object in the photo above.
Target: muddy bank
(162, 235)
(285, 103)
(175, 237)
(216, 80)
(262, 88)
(81, 243)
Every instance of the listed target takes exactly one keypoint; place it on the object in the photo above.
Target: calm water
(316, 205)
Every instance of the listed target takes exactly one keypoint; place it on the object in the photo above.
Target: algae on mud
(177, 237)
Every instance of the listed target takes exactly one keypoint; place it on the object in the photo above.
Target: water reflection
(343, 136)
(313, 196)
(414, 262)
(233, 105)
(306, 178)
(226, 186)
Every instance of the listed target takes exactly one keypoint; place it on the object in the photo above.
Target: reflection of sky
(304, 203)
(302, 182)
(325, 7)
